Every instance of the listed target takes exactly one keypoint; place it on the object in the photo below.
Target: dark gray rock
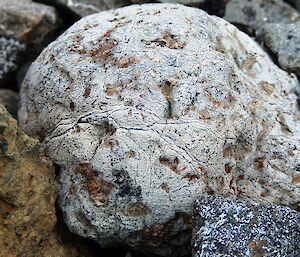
(10, 49)
(225, 227)
(283, 40)
(253, 14)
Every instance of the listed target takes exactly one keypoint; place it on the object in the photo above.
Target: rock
(283, 40)
(10, 51)
(10, 100)
(147, 107)
(87, 7)
(253, 14)
(27, 191)
(227, 227)
(30, 23)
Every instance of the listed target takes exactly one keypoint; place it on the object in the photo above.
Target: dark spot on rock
(72, 106)
(170, 163)
(259, 163)
(249, 12)
(136, 209)
(87, 91)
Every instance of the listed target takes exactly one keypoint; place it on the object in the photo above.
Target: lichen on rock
(229, 227)
(147, 107)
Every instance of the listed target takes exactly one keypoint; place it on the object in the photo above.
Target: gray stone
(10, 100)
(225, 227)
(10, 50)
(30, 23)
(254, 14)
(147, 107)
(283, 40)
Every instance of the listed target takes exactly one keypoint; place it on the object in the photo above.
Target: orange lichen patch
(167, 89)
(256, 248)
(136, 209)
(191, 177)
(87, 91)
(267, 87)
(171, 41)
(110, 90)
(204, 115)
(228, 151)
(165, 187)
(98, 188)
(258, 163)
(172, 164)
(296, 178)
(228, 168)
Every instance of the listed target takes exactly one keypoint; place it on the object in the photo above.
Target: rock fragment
(10, 51)
(254, 14)
(10, 100)
(147, 107)
(284, 40)
(27, 191)
(227, 227)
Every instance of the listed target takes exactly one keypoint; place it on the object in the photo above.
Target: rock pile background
(30, 222)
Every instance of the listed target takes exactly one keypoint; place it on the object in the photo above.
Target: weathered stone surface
(147, 107)
(27, 21)
(227, 227)
(27, 191)
(254, 14)
(284, 40)
(10, 100)
(10, 49)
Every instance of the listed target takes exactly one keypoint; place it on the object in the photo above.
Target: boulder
(27, 191)
(283, 40)
(147, 107)
(230, 227)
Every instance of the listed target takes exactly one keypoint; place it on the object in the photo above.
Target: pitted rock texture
(10, 51)
(226, 227)
(30, 23)
(284, 40)
(147, 107)
(254, 14)
(27, 191)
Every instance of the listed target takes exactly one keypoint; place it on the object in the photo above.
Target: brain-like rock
(147, 107)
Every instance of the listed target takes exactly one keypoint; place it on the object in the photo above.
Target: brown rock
(27, 191)
(10, 100)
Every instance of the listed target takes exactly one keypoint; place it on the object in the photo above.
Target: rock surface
(254, 14)
(284, 40)
(27, 191)
(27, 21)
(10, 100)
(147, 107)
(227, 227)
(10, 51)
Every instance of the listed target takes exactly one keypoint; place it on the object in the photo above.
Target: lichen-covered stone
(27, 191)
(227, 227)
(284, 40)
(253, 14)
(10, 50)
(27, 21)
(10, 100)
(147, 107)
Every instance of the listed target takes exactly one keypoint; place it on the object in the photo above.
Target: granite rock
(227, 227)
(147, 107)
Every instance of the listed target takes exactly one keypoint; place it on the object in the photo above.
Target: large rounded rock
(147, 107)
